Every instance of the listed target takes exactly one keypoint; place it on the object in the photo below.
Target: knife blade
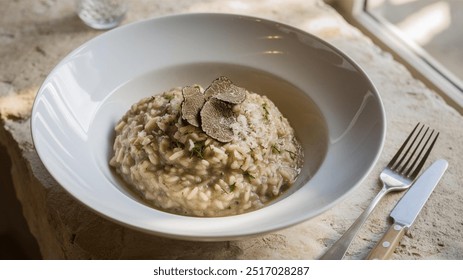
(407, 209)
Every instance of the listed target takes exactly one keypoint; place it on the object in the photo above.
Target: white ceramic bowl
(331, 103)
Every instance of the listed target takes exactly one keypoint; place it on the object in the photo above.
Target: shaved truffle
(223, 89)
(216, 119)
(211, 110)
(193, 101)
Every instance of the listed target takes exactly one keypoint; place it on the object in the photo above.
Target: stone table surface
(36, 35)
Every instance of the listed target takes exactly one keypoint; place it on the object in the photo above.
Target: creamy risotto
(214, 152)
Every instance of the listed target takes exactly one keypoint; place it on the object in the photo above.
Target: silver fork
(397, 176)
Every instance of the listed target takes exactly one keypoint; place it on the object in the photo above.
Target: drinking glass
(101, 14)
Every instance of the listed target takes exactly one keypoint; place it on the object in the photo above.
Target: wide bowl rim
(213, 236)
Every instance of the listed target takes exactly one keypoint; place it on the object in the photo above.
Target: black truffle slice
(193, 101)
(216, 119)
(223, 89)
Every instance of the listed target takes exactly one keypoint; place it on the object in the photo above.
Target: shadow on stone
(16, 242)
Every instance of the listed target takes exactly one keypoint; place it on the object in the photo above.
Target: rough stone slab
(35, 35)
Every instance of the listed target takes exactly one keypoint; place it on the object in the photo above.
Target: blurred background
(424, 35)
(434, 25)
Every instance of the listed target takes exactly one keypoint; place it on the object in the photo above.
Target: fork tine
(420, 165)
(399, 152)
(414, 151)
(406, 169)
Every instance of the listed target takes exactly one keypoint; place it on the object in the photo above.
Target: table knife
(407, 209)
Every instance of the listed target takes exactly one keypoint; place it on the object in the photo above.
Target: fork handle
(387, 244)
(339, 248)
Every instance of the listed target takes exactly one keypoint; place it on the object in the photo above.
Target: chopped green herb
(177, 144)
(248, 175)
(275, 149)
(292, 154)
(169, 97)
(198, 149)
(266, 112)
(232, 187)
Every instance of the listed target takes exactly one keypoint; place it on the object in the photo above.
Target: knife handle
(387, 244)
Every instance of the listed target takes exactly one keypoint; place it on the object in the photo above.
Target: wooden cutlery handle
(387, 244)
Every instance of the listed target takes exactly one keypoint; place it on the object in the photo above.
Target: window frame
(422, 65)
